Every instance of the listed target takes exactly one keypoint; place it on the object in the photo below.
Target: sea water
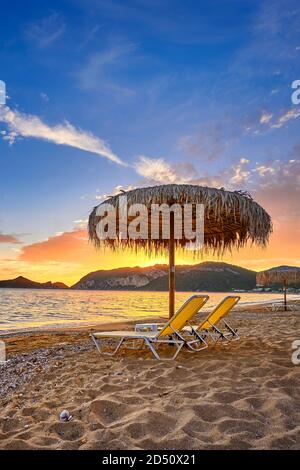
(31, 308)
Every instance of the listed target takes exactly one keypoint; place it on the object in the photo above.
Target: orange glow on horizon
(70, 271)
(69, 256)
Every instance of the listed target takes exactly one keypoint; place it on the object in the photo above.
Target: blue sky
(143, 92)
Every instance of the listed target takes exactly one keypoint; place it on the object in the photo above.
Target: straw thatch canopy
(231, 218)
(283, 275)
(279, 275)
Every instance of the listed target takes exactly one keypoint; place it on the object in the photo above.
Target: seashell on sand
(65, 416)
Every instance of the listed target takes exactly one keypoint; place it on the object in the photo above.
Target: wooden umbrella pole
(284, 290)
(171, 267)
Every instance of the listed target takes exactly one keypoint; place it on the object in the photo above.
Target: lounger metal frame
(189, 342)
(176, 339)
(200, 339)
(150, 342)
(215, 335)
(231, 335)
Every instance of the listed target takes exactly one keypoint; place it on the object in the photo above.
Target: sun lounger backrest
(222, 309)
(184, 314)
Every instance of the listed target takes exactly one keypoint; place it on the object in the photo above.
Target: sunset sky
(110, 94)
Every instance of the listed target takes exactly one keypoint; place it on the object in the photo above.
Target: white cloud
(117, 190)
(287, 116)
(264, 170)
(269, 121)
(240, 174)
(80, 223)
(26, 125)
(159, 171)
(268, 174)
(156, 169)
(100, 197)
(265, 117)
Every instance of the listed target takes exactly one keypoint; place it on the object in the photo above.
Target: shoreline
(74, 329)
(111, 325)
(28, 340)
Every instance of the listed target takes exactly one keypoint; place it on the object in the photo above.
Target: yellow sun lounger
(209, 325)
(169, 333)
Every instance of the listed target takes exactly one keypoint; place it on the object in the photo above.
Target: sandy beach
(243, 395)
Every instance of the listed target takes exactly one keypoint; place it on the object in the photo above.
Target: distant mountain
(23, 283)
(122, 278)
(207, 276)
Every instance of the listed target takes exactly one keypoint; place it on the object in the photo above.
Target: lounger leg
(178, 344)
(200, 339)
(233, 332)
(218, 332)
(106, 353)
(210, 335)
(149, 343)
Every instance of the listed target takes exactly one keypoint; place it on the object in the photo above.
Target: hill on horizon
(21, 282)
(206, 276)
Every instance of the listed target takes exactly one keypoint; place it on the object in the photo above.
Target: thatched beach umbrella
(231, 219)
(283, 275)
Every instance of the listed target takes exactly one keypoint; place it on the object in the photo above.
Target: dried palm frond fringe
(231, 218)
(279, 275)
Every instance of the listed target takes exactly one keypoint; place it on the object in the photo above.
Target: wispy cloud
(44, 96)
(158, 171)
(285, 117)
(90, 36)
(116, 190)
(98, 71)
(207, 143)
(163, 19)
(269, 121)
(46, 31)
(8, 238)
(26, 125)
(241, 175)
(266, 117)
